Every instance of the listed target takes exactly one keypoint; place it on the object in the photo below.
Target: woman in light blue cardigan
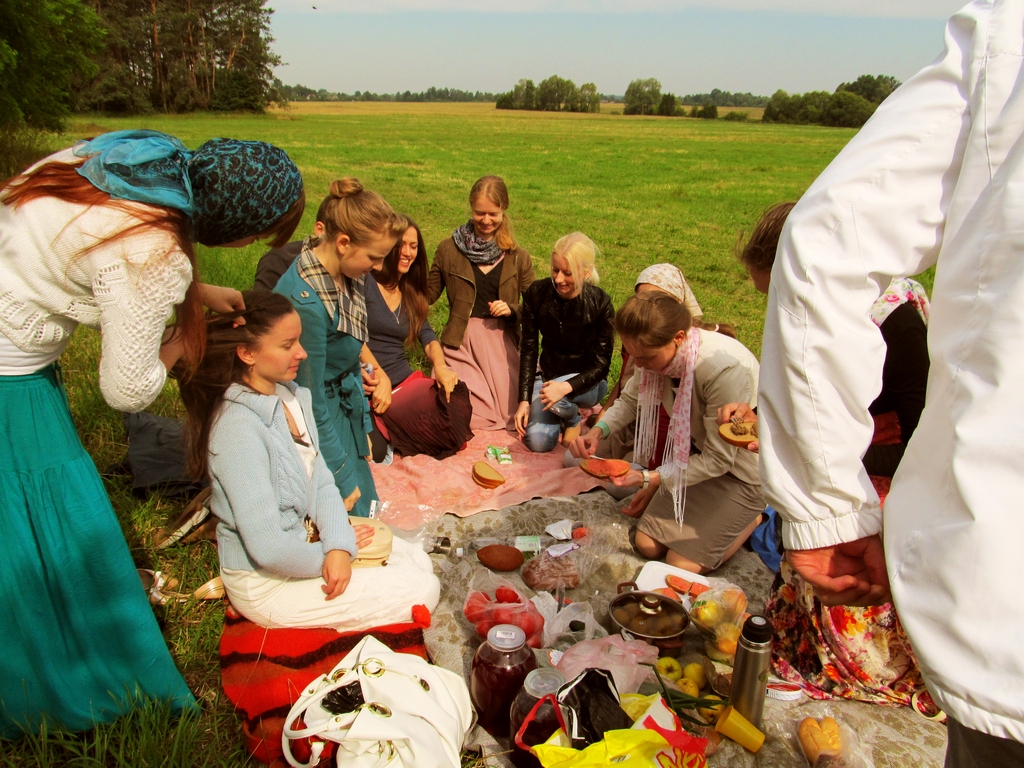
(284, 538)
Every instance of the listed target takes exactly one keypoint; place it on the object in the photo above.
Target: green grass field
(645, 189)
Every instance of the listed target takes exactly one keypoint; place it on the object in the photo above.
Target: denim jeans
(544, 427)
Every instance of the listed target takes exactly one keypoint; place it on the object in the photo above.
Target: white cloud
(908, 9)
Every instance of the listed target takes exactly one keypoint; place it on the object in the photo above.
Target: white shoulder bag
(382, 708)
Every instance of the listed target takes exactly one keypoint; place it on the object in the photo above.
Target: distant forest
(284, 93)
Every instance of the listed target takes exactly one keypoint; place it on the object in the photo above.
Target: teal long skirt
(78, 639)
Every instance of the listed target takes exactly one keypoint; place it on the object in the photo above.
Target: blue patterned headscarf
(229, 189)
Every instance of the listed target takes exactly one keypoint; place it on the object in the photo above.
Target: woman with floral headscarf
(102, 235)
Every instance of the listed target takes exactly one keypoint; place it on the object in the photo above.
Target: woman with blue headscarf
(102, 235)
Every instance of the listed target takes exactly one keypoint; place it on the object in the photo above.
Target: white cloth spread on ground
(936, 176)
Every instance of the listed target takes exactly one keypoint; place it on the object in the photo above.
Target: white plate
(652, 576)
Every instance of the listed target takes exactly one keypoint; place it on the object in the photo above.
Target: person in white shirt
(102, 235)
(936, 177)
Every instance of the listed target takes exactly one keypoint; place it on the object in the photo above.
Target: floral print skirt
(840, 652)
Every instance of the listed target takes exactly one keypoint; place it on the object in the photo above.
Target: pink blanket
(419, 489)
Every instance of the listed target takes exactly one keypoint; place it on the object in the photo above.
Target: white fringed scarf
(676, 457)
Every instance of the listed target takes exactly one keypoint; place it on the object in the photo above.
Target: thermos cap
(756, 629)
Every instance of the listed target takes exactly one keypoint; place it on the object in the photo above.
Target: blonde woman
(575, 317)
(484, 272)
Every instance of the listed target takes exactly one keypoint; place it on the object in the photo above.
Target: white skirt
(374, 597)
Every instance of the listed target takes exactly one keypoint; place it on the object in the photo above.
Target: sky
(690, 46)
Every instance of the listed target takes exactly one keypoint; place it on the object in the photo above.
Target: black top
(578, 336)
(388, 332)
(275, 263)
(486, 290)
(904, 380)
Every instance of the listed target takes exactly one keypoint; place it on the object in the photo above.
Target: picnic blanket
(419, 489)
(264, 670)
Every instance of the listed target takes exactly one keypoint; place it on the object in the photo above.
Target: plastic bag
(590, 707)
(559, 625)
(719, 614)
(854, 752)
(625, 659)
(493, 600)
(624, 749)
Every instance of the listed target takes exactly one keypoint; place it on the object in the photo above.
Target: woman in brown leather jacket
(484, 273)
(575, 317)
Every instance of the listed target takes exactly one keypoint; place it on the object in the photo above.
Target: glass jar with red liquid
(499, 669)
(539, 683)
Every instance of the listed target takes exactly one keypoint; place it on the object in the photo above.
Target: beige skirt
(488, 362)
(717, 510)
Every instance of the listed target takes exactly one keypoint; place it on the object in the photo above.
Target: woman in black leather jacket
(575, 318)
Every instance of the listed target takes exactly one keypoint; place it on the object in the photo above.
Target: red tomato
(476, 606)
(580, 533)
(504, 614)
(483, 627)
(531, 622)
(507, 595)
(536, 641)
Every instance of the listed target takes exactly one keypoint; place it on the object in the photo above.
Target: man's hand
(852, 573)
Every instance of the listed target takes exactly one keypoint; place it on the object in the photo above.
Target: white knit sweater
(128, 289)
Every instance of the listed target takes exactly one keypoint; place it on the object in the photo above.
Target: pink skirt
(488, 362)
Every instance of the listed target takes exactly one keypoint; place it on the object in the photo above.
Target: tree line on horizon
(285, 93)
(554, 94)
(849, 106)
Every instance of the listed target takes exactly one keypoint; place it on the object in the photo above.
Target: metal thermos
(750, 670)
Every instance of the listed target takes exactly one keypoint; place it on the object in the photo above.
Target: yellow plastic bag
(623, 748)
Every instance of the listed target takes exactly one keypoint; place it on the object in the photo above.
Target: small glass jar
(539, 683)
(499, 669)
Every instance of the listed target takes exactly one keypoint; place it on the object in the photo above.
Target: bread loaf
(499, 557)
(545, 573)
(819, 739)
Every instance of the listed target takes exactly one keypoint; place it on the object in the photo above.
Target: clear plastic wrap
(852, 751)
(573, 624)
(493, 600)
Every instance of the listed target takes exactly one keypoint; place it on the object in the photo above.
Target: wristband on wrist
(605, 429)
(647, 480)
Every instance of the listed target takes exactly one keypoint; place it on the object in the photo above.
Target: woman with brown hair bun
(695, 510)
(425, 415)
(326, 283)
(102, 235)
(484, 272)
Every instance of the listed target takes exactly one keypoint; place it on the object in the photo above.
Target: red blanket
(263, 671)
